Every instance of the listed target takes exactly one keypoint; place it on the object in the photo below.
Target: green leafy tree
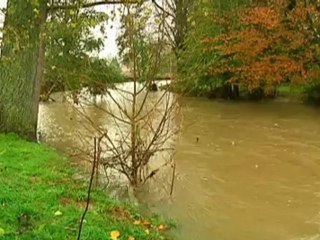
(23, 60)
(209, 18)
(70, 48)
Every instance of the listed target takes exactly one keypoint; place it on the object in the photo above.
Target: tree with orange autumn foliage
(262, 45)
(264, 50)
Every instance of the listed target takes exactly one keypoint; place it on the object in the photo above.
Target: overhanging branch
(161, 8)
(91, 4)
(104, 2)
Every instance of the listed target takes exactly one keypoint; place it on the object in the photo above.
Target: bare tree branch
(161, 8)
(91, 4)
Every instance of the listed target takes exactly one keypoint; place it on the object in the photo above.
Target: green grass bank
(39, 199)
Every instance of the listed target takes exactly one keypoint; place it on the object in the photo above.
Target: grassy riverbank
(39, 199)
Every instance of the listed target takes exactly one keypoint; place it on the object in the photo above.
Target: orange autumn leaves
(265, 48)
(266, 17)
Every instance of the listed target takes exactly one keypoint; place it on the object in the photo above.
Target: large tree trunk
(22, 66)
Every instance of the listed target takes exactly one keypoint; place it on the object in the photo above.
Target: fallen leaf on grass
(58, 213)
(137, 222)
(114, 235)
(131, 238)
(146, 223)
(161, 227)
(147, 231)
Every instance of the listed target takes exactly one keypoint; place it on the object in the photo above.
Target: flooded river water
(253, 174)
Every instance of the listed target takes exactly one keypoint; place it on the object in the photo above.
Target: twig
(173, 177)
(161, 8)
(88, 5)
(89, 189)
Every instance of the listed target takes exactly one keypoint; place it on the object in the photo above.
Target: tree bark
(22, 66)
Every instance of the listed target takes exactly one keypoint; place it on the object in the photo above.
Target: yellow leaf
(131, 238)
(114, 235)
(58, 213)
(2, 232)
(161, 227)
(137, 222)
(147, 231)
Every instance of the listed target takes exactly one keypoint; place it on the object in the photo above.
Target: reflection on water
(254, 174)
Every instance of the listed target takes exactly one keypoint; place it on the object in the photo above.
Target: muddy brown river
(254, 174)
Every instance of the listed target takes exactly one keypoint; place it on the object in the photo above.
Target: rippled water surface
(254, 174)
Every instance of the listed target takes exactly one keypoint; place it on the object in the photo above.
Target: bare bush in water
(141, 121)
